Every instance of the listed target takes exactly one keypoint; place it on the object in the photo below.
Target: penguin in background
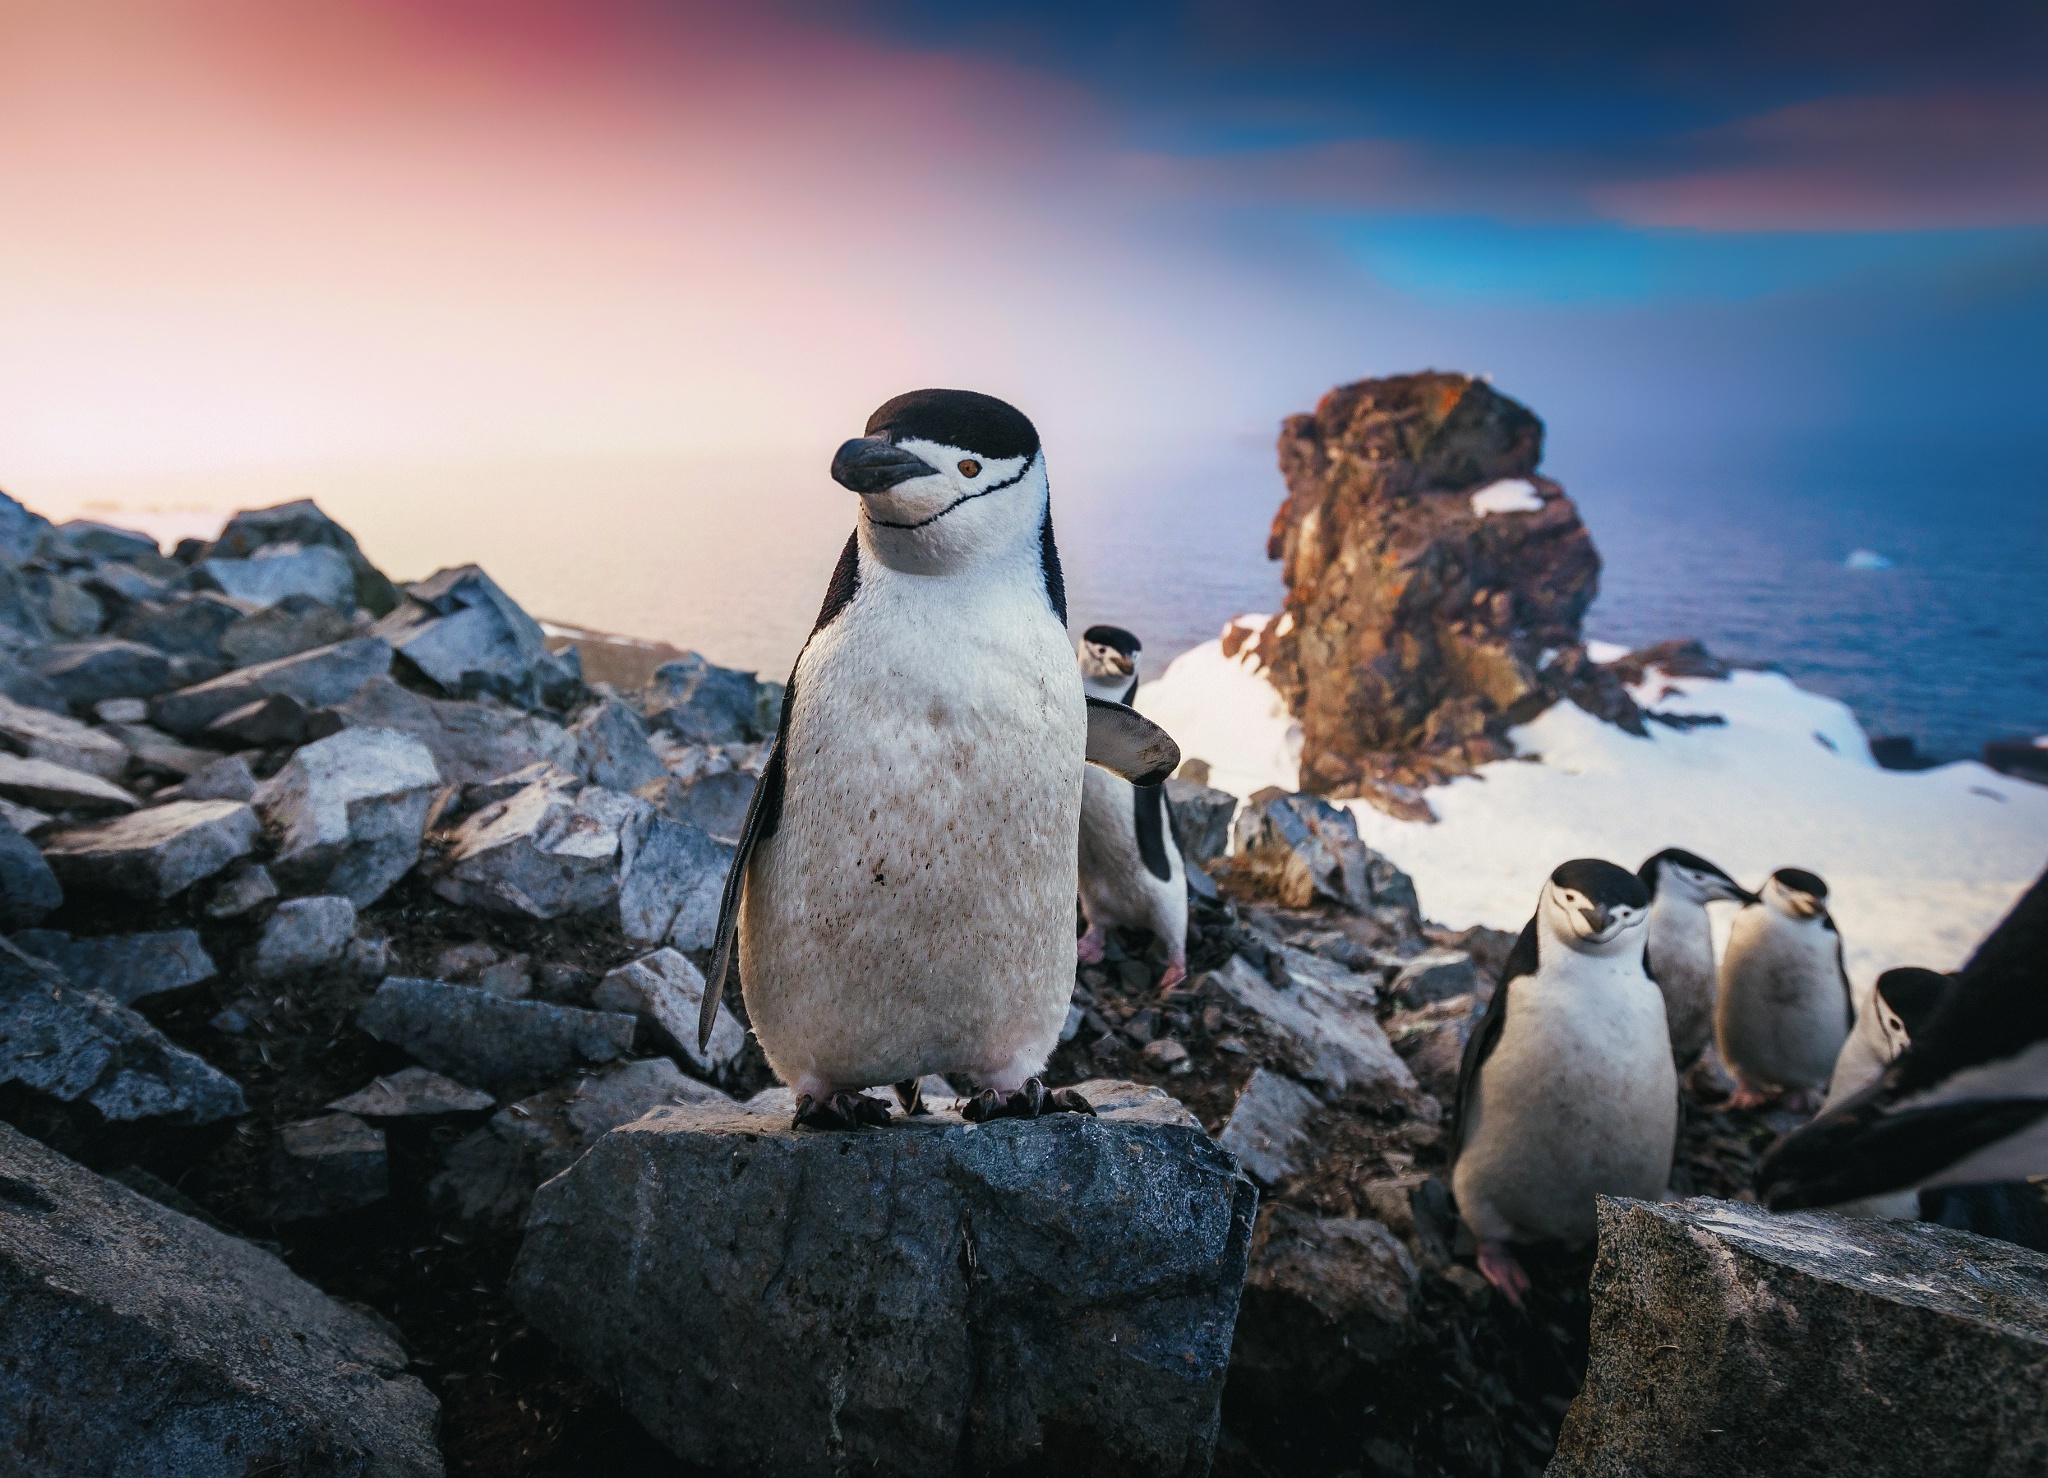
(1679, 954)
(1132, 872)
(901, 900)
(1898, 1005)
(1965, 1104)
(1567, 1090)
(1784, 1006)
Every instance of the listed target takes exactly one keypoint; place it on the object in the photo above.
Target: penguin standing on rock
(1680, 952)
(1567, 1089)
(901, 900)
(1785, 1006)
(1132, 873)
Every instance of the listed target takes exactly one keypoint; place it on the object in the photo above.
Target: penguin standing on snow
(1898, 1005)
(902, 895)
(1680, 952)
(1132, 873)
(1567, 1089)
(1785, 1006)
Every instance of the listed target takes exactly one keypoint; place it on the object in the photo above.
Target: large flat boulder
(124, 967)
(155, 853)
(478, 1037)
(670, 893)
(62, 741)
(77, 1046)
(53, 787)
(1729, 1341)
(929, 1298)
(319, 678)
(103, 667)
(349, 812)
(134, 1340)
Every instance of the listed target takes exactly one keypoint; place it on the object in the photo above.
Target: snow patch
(1509, 495)
(1920, 864)
(1604, 652)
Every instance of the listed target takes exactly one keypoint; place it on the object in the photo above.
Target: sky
(252, 244)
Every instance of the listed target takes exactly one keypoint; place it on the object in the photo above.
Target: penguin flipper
(1125, 742)
(1149, 817)
(1485, 1037)
(1858, 1149)
(764, 815)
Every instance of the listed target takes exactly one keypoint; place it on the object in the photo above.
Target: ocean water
(1948, 644)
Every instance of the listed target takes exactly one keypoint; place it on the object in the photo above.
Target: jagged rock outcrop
(1728, 1341)
(1429, 571)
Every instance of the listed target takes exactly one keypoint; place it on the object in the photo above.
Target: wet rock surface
(1726, 1340)
(1057, 1293)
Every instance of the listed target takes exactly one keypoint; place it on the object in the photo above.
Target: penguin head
(1595, 907)
(1797, 894)
(1109, 662)
(1678, 873)
(948, 480)
(1906, 997)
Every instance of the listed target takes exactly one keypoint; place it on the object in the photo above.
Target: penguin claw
(1033, 1100)
(840, 1111)
(910, 1093)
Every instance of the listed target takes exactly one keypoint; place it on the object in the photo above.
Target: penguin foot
(1176, 972)
(1499, 1266)
(838, 1111)
(1746, 1097)
(1088, 948)
(1802, 1100)
(1031, 1101)
(910, 1093)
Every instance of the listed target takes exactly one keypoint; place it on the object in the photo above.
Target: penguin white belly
(1578, 1098)
(1682, 953)
(1783, 1011)
(913, 912)
(1117, 889)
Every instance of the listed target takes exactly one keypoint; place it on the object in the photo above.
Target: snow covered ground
(1919, 865)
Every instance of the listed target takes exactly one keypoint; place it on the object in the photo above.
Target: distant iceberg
(1866, 559)
(1509, 495)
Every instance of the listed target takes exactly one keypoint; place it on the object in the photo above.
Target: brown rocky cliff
(1415, 631)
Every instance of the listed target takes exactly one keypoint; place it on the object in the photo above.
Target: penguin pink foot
(1033, 1100)
(1499, 1266)
(1746, 1095)
(1176, 972)
(1088, 948)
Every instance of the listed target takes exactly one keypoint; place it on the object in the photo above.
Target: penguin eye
(969, 467)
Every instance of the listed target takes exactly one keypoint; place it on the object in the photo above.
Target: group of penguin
(946, 777)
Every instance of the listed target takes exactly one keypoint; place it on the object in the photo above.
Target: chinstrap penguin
(1567, 1089)
(1965, 1104)
(1132, 873)
(1679, 953)
(1897, 1006)
(901, 900)
(1784, 1004)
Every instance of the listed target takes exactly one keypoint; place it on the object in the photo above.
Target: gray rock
(134, 1340)
(85, 542)
(42, 735)
(274, 721)
(324, 1166)
(154, 853)
(1054, 1295)
(1323, 1025)
(490, 792)
(671, 892)
(492, 1175)
(349, 812)
(1299, 848)
(1418, 1209)
(1728, 1341)
(302, 523)
(26, 820)
(25, 685)
(412, 1093)
(1201, 819)
(320, 678)
(189, 627)
(664, 988)
(471, 742)
(121, 711)
(485, 1039)
(250, 888)
(1431, 1040)
(1268, 1129)
(28, 889)
(545, 852)
(123, 967)
(1435, 975)
(279, 571)
(464, 961)
(1324, 1296)
(224, 778)
(464, 634)
(122, 587)
(104, 667)
(21, 532)
(165, 1194)
(611, 747)
(696, 702)
(77, 1046)
(303, 934)
(512, 978)
(153, 752)
(294, 624)
(716, 804)
(54, 787)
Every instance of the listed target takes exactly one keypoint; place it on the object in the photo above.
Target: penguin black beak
(1599, 916)
(874, 464)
